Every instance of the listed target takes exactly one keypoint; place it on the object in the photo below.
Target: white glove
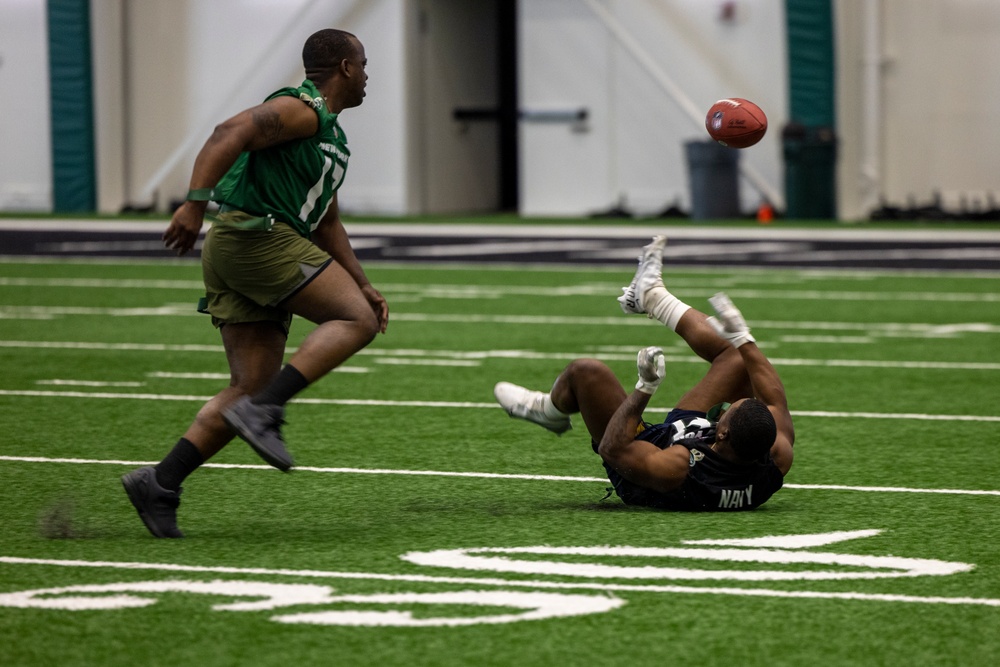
(652, 368)
(729, 322)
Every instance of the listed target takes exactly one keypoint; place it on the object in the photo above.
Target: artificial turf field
(425, 527)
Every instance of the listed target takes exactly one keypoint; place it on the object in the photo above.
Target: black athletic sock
(182, 460)
(288, 383)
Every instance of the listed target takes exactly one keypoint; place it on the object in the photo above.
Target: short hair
(324, 51)
(752, 430)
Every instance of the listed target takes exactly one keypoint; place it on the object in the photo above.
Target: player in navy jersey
(727, 444)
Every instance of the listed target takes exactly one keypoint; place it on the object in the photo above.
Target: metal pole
(871, 174)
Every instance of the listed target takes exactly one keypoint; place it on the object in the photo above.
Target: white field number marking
(785, 551)
(533, 605)
(529, 605)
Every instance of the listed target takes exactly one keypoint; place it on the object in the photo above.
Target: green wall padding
(812, 99)
(74, 178)
(810, 138)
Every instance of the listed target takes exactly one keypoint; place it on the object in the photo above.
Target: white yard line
(60, 382)
(496, 291)
(396, 361)
(103, 283)
(414, 353)
(225, 376)
(483, 475)
(874, 331)
(366, 402)
(713, 273)
(890, 329)
(885, 328)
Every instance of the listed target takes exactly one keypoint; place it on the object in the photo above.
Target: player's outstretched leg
(533, 406)
(647, 276)
(157, 506)
(647, 294)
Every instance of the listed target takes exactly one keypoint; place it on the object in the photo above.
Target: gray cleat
(260, 426)
(157, 506)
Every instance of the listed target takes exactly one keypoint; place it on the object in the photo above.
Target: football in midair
(736, 122)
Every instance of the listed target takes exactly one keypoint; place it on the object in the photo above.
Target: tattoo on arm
(268, 123)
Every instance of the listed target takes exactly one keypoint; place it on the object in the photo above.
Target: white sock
(549, 408)
(661, 305)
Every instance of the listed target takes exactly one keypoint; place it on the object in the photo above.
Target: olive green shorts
(249, 272)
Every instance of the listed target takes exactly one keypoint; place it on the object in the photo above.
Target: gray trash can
(713, 171)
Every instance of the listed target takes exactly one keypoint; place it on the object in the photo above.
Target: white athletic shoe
(647, 276)
(526, 404)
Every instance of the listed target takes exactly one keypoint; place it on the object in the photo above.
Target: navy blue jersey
(713, 484)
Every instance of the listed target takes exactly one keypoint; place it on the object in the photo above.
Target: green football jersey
(293, 182)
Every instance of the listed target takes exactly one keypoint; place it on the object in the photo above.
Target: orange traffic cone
(765, 213)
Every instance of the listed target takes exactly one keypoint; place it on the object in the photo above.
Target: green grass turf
(843, 342)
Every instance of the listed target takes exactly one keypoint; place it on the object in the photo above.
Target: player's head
(325, 53)
(749, 428)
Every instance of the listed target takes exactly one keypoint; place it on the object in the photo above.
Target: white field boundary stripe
(486, 475)
(896, 415)
(485, 291)
(883, 328)
(484, 581)
(360, 402)
(495, 291)
(103, 283)
(567, 231)
(603, 291)
(506, 354)
(808, 272)
(895, 329)
(338, 471)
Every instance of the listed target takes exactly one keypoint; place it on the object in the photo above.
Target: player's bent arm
(331, 236)
(645, 464)
(638, 461)
(782, 454)
(768, 388)
(273, 122)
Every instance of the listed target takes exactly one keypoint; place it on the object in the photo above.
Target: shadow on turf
(615, 505)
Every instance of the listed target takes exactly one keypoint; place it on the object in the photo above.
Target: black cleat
(260, 426)
(157, 506)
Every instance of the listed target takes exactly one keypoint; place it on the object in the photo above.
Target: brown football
(736, 122)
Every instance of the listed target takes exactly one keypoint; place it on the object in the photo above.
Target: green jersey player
(277, 247)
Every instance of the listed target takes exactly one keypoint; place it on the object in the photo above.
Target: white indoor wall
(631, 149)
(925, 128)
(25, 144)
(166, 72)
(940, 83)
(701, 54)
(190, 65)
(563, 65)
